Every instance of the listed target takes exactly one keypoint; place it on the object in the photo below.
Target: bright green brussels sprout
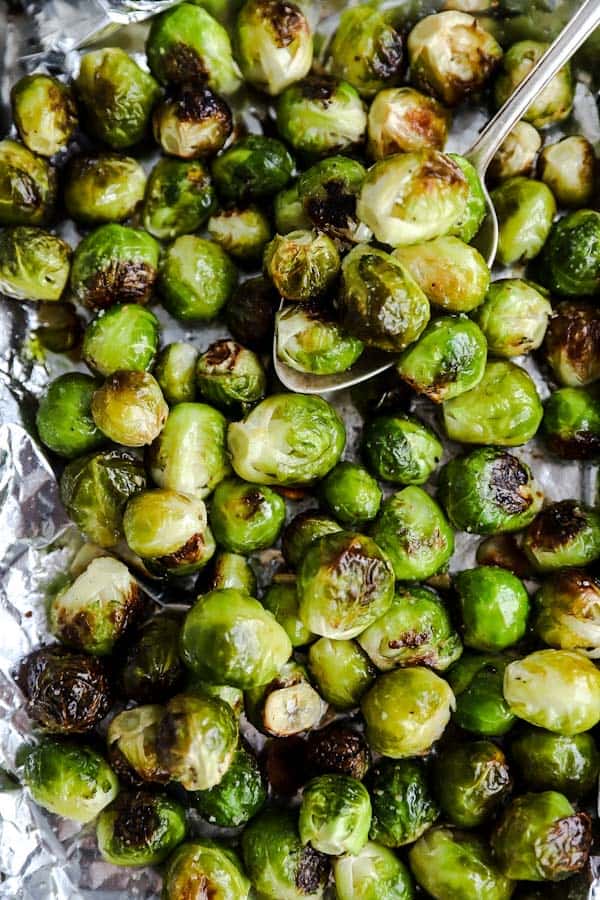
(321, 115)
(572, 423)
(229, 637)
(568, 612)
(457, 865)
(476, 680)
(558, 690)
(179, 198)
(447, 360)
(287, 439)
(192, 122)
(568, 168)
(95, 489)
(129, 408)
(453, 275)
(27, 186)
(328, 192)
(301, 531)
(152, 670)
(197, 278)
(366, 50)
(69, 780)
(140, 829)
(231, 377)
(553, 103)
(571, 259)
(309, 341)
(541, 838)
(45, 113)
(406, 711)
(186, 46)
(345, 582)
(64, 418)
(494, 608)
(416, 630)
(302, 265)
(413, 197)
(240, 794)
(288, 211)
(254, 168)
(341, 671)
(189, 454)
(403, 807)
(168, 530)
(197, 740)
(131, 740)
(274, 44)
(400, 449)
(207, 866)
(338, 749)
(379, 301)
(471, 781)
(59, 327)
(451, 55)
(413, 531)
(572, 343)
(175, 371)
(34, 264)
(279, 865)
(287, 705)
(122, 337)
(103, 188)
(243, 233)
(281, 599)
(250, 313)
(514, 317)
(525, 210)
(231, 570)
(503, 409)
(114, 264)
(351, 494)
(335, 815)
(373, 874)
(116, 96)
(563, 534)
(402, 120)
(246, 517)
(517, 152)
(556, 762)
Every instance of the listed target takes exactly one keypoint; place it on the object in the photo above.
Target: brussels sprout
(338, 750)
(59, 327)
(281, 599)
(413, 197)
(231, 570)
(471, 781)
(278, 864)
(553, 103)
(571, 259)
(504, 408)
(568, 168)
(116, 96)
(129, 408)
(413, 531)
(568, 612)
(140, 829)
(476, 680)
(95, 489)
(231, 377)
(516, 154)
(451, 55)
(228, 637)
(66, 692)
(373, 874)
(416, 630)
(504, 550)
(179, 198)
(250, 313)
(34, 264)
(572, 343)
(207, 866)
(400, 449)
(175, 371)
(341, 671)
(192, 122)
(131, 740)
(514, 317)
(287, 705)
(302, 264)
(321, 116)
(351, 494)
(302, 531)
(474, 211)
(287, 439)
(27, 186)
(309, 341)
(453, 275)
(123, 337)
(197, 278)
(237, 798)
(243, 233)
(328, 192)
(189, 454)
(64, 419)
(541, 838)
(274, 44)
(403, 807)
(288, 211)
(152, 670)
(254, 168)
(69, 780)
(572, 423)
(103, 188)
(379, 301)
(566, 533)
(186, 46)
(457, 865)
(556, 762)
(406, 711)
(45, 113)
(335, 815)
(494, 607)
(246, 517)
(366, 50)
(168, 530)
(402, 120)
(525, 210)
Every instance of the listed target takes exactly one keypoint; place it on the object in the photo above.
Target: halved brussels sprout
(471, 781)
(231, 570)
(45, 113)
(301, 531)
(243, 233)
(525, 210)
(517, 152)
(140, 829)
(402, 120)
(246, 517)
(351, 493)
(231, 377)
(302, 265)
(572, 344)
(34, 264)
(373, 874)
(123, 337)
(403, 807)
(494, 607)
(476, 680)
(274, 44)
(553, 103)
(572, 423)
(566, 533)
(453, 275)
(208, 864)
(287, 705)
(192, 122)
(568, 168)
(321, 115)
(514, 317)
(571, 258)
(59, 327)
(27, 186)
(568, 612)
(328, 192)
(338, 750)
(131, 740)
(197, 278)
(175, 371)
(238, 797)
(335, 815)
(556, 762)
(309, 341)
(254, 168)
(103, 188)
(366, 50)
(152, 670)
(69, 780)
(400, 449)
(341, 671)
(250, 313)
(129, 408)
(281, 599)
(179, 198)
(64, 418)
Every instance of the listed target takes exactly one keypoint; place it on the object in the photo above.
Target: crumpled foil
(44, 857)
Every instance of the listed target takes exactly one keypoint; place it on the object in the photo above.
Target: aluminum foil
(43, 857)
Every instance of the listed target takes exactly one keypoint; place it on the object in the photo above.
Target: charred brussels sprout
(117, 97)
(246, 517)
(179, 198)
(231, 570)
(338, 750)
(556, 762)
(517, 152)
(281, 599)
(34, 264)
(192, 122)
(45, 113)
(274, 44)
(563, 534)
(95, 490)
(328, 193)
(231, 377)
(69, 780)
(302, 264)
(341, 670)
(140, 829)
(406, 711)
(64, 418)
(175, 372)
(27, 186)
(237, 798)
(250, 313)
(366, 50)
(254, 168)
(572, 343)
(403, 807)
(104, 188)
(525, 210)
(287, 439)
(402, 120)
(123, 337)
(243, 233)
(209, 865)
(152, 670)
(554, 102)
(415, 534)
(373, 874)
(514, 317)
(131, 740)
(351, 494)
(197, 278)
(321, 115)
(568, 168)
(476, 680)
(228, 637)
(335, 815)
(400, 449)
(568, 612)
(287, 705)
(471, 781)
(309, 341)
(494, 607)
(542, 838)
(453, 275)
(300, 533)
(572, 423)
(129, 408)
(571, 259)
(489, 491)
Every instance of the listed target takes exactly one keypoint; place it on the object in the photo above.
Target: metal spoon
(373, 362)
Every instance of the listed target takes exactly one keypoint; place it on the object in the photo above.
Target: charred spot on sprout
(338, 749)
(558, 524)
(312, 871)
(572, 343)
(140, 828)
(192, 122)
(502, 550)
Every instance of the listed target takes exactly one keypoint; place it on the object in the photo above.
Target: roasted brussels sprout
(517, 152)
(514, 317)
(402, 120)
(254, 168)
(571, 258)
(287, 439)
(140, 829)
(243, 233)
(116, 96)
(27, 186)
(553, 103)
(175, 371)
(572, 343)
(64, 419)
(335, 814)
(45, 113)
(488, 491)
(476, 680)
(373, 874)
(231, 570)
(129, 408)
(231, 377)
(250, 313)
(469, 221)
(366, 50)
(131, 740)
(287, 705)
(568, 168)
(69, 780)
(563, 534)
(103, 188)
(328, 192)
(192, 122)
(59, 327)
(351, 494)
(281, 599)
(300, 533)
(237, 798)
(413, 531)
(208, 865)
(400, 449)
(568, 612)
(471, 781)
(246, 517)
(274, 44)
(34, 264)
(302, 264)
(309, 341)
(179, 198)
(525, 210)
(338, 750)
(197, 278)
(556, 762)
(321, 115)
(494, 608)
(288, 211)
(572, 423)
(453, 275)
(152, 670)
(504, 550)
(232, 696)
(123, 337)
(403, 807)
(341, 670)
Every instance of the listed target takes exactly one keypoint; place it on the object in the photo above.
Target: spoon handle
(580, 26)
